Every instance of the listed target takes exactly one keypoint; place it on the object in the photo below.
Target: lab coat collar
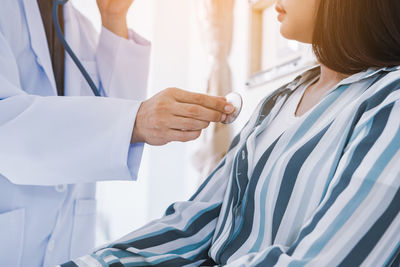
(38, 39)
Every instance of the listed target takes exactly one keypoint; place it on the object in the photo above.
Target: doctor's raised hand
(57, 140)
(173, 114)
(177, 115)
(113, 15)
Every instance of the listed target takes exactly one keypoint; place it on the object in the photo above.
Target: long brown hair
(353, 35)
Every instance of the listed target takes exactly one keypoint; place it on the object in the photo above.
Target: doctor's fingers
(182, 136)
(217, 103)
(181, 123)
(198, 112)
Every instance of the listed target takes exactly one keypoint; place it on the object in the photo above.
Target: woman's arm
(183, 236)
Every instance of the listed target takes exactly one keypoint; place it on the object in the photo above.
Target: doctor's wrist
(136, 137)
(116, 24)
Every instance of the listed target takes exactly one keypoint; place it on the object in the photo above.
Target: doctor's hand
(113, 15)
(177, 115)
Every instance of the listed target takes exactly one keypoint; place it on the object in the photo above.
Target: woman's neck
(327, 80)
(329, 76)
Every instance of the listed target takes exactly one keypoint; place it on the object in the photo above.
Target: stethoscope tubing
(71, 53)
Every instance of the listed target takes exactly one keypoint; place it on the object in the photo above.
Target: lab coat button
(61, 188)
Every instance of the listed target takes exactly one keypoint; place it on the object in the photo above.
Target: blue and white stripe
(324, 193)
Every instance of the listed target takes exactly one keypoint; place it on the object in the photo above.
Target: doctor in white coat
(54, 148)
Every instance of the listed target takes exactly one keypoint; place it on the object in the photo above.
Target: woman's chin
(285, 32)
(289, 34)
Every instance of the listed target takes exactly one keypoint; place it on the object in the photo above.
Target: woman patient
(314, 177)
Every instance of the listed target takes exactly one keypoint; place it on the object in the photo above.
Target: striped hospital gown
(326, 192)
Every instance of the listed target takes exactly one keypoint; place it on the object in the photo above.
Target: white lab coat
(53, 149)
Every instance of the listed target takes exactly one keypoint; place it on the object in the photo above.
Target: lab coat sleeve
(123, 67)
(61, 140)
(122, 64)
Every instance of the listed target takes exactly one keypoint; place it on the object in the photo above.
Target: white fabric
(285, 119)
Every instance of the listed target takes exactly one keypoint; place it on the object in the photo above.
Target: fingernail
(229, 108)
(223, 118)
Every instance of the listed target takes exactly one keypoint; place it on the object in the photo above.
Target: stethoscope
(234, 98)
(78, 63)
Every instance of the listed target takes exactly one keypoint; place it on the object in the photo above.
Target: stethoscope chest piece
(236, 100)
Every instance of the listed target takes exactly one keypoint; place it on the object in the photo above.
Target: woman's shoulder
(379, 95)
(383, 89)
